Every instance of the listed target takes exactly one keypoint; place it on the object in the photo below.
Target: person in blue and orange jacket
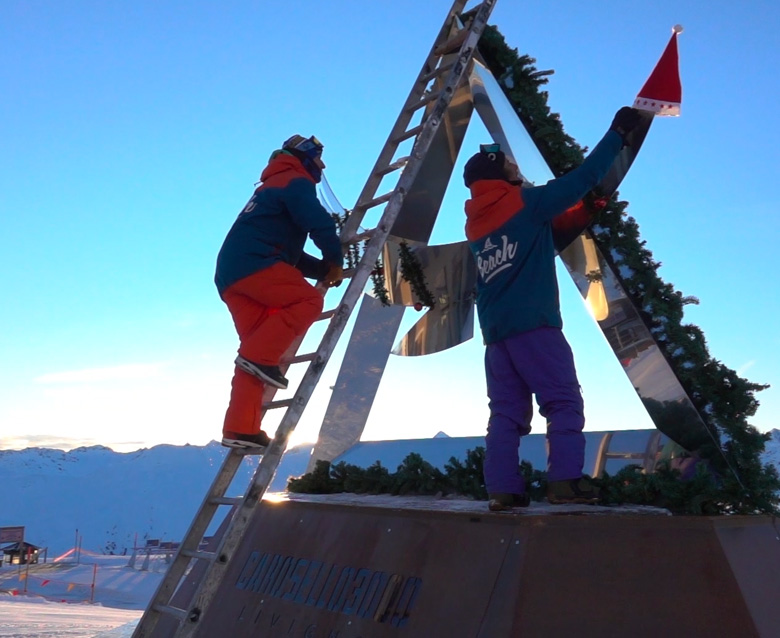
(511, 234)
(261, 270)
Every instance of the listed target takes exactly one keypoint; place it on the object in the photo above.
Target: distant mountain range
(111, 500)
(109, 497)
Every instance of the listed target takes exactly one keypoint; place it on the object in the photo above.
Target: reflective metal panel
(448, 271)
(635, 346)
(504, 126)
(451, 278)
(439, 329)
(358, 379)
(421, 205)
(376, 326)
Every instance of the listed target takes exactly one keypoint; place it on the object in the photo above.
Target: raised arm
(558, 195)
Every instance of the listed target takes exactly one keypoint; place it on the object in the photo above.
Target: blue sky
(131, 135)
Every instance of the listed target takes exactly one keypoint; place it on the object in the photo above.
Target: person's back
(275, 223)
(510, 233)
(516, 285)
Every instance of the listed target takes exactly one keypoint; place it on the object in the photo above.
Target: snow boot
(504, 501)
(577, 491)
(254, 442)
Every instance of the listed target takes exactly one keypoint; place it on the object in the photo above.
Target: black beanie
(484, 166)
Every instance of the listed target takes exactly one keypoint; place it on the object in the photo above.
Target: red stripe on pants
(270, 308)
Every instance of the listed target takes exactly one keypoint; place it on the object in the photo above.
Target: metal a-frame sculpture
(451, 275)
(197, 578)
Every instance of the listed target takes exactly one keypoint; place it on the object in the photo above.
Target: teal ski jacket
(275, 223)
(510, 232)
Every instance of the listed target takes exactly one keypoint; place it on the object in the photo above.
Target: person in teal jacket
(260, 275)
(511, 233)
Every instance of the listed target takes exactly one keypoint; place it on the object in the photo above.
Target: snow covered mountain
(772, 451)
(108, 498)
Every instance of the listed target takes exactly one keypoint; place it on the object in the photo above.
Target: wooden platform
(347, 566)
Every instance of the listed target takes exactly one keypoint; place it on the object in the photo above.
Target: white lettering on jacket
(500, 258)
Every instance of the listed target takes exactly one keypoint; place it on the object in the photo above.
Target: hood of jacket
(281, 170)
(493, 202)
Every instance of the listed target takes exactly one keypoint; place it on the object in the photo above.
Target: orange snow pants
(270, 308)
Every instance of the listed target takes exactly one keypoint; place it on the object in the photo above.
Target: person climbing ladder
(261, 276)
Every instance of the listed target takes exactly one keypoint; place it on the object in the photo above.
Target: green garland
(378, 281)
(412, 271)
(414, 476)
(700, 494)
(354, 251)
(411, 268)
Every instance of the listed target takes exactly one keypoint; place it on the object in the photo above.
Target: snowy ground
(35, 617)
(57, 600)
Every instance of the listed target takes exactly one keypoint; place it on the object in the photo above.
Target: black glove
(626, 120)
(334, 276)
(312, 268)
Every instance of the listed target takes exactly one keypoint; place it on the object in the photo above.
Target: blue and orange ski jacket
(510, 233)
(275, 223)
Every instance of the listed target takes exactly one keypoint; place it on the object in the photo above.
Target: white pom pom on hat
(662, 93)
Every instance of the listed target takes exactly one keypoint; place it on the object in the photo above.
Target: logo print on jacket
(499, 259)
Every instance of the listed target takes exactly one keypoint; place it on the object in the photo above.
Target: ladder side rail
(270, 461)
(354, 220)
(191, 541)
(160, 602)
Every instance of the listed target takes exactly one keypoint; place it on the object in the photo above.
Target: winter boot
(253, 442)
(579, 491)
(267, 374)
(504, 501)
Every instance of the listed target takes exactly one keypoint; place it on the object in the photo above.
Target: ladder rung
(410, 133)
(226, 500)
(452, 44)
(181, 614)
(399, 163)
(366, 234)
(194, 553)
(301, 358)
(439, 70)
(245, 451)
(425, 99)
(379, 200)
(272, 405)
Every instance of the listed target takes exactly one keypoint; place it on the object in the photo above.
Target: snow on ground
(35, 617)
(52, 600)
(117, 584)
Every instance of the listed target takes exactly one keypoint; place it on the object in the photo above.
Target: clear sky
(131, 134)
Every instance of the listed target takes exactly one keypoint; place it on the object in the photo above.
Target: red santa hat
(662, 93)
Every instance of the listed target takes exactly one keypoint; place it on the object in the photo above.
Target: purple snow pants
(536, 362)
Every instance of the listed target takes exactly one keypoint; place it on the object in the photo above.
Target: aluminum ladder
(446, 78)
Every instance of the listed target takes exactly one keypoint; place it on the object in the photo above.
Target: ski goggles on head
(310, 147)
(489, 148)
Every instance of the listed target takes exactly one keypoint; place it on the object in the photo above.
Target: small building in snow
(29, 553)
